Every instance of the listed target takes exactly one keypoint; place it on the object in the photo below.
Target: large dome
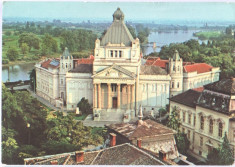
(118, 15)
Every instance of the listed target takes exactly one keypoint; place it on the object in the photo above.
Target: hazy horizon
(134, 11)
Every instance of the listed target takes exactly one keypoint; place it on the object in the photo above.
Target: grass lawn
(207, 34)
(82, 117)
(97, 130)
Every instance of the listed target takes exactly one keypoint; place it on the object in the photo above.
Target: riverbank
(19, 62)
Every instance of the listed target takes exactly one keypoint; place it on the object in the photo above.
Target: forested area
(30, 129)
(31, 42)
(218, 53)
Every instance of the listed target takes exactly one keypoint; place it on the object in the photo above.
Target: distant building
(206, 114)
(124, 154)
(114, 80)
(148, 135)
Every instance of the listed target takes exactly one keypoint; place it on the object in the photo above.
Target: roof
(140, 129)
(124, 154)
(151, 70)
(198, 67)
(52, 63)
(176, 56)
(89, 60)
(66, 54)
(117, 33)
(226, 86)
(199, 89)
(188, 98)
(82, 68)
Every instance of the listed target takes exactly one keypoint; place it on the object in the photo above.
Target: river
(20, 71)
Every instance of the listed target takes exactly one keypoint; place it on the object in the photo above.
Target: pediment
(114, 72)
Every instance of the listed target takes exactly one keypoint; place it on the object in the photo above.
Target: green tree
(30, 39)
(225, 152)
(84, 106)
(132, 30)
(213, 157)
(173, 120)
(9, 146)
(12, 54)
(24, 48)
(8, 33)
(182, 142)
(49, 45)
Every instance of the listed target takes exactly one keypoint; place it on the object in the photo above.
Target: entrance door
(114, 102)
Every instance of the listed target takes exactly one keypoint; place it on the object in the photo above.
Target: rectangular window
(111, 53)
(115, 53)
(189, 119)
(183, 116)
(188, 134)
(201, 141)
(120, 53)
(172, 85)
(194, 120)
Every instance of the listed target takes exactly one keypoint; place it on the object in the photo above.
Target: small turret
(118, 15)
(66, 61)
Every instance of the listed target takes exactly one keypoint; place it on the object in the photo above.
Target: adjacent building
(206, 115)
(115, 79)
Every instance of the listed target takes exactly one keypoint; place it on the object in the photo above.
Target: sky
(212, 11)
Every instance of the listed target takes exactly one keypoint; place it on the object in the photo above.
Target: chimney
(139, 143)
(79, 155)
(162, 155)
(54, 162)
(112, 139)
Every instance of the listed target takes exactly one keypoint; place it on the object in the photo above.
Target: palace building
(115, 80)
(206, 114)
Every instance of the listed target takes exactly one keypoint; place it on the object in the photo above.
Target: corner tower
(66, 64)
(176, 73)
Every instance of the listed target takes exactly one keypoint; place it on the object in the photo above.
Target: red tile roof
(199, 89)
(86, 60)
(156, 61)
(46, 64)
(198, 67)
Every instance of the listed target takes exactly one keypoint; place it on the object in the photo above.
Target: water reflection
(16, 72)
(165, 38)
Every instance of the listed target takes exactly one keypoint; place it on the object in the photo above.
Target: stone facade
(207, 116)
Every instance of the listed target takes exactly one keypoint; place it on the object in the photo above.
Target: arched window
(211, 126)
(220, 129)
(173, 67)
(202, 123)
(178, 84)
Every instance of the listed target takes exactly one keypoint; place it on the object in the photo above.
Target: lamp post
(28, 126)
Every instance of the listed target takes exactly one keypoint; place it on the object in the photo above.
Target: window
(178, 85)
(211, 126)
(66, 65)
(111, 53)
(201, 141)
(61, 81)
(62, 65)
(120, 53)
(194, 120)
(178, 68)
(172, 85)
(189, 119)
(202, 123)
(113, 88)
(115, 53)
(189, 134)
(173, 67)
(183, 116)
(220, 129)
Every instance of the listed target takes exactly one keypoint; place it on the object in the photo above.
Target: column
(132, 96)
(123, 96)
(99, 95)
(118, 96)
(109, 95)
(128, 96)
(94, 97)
